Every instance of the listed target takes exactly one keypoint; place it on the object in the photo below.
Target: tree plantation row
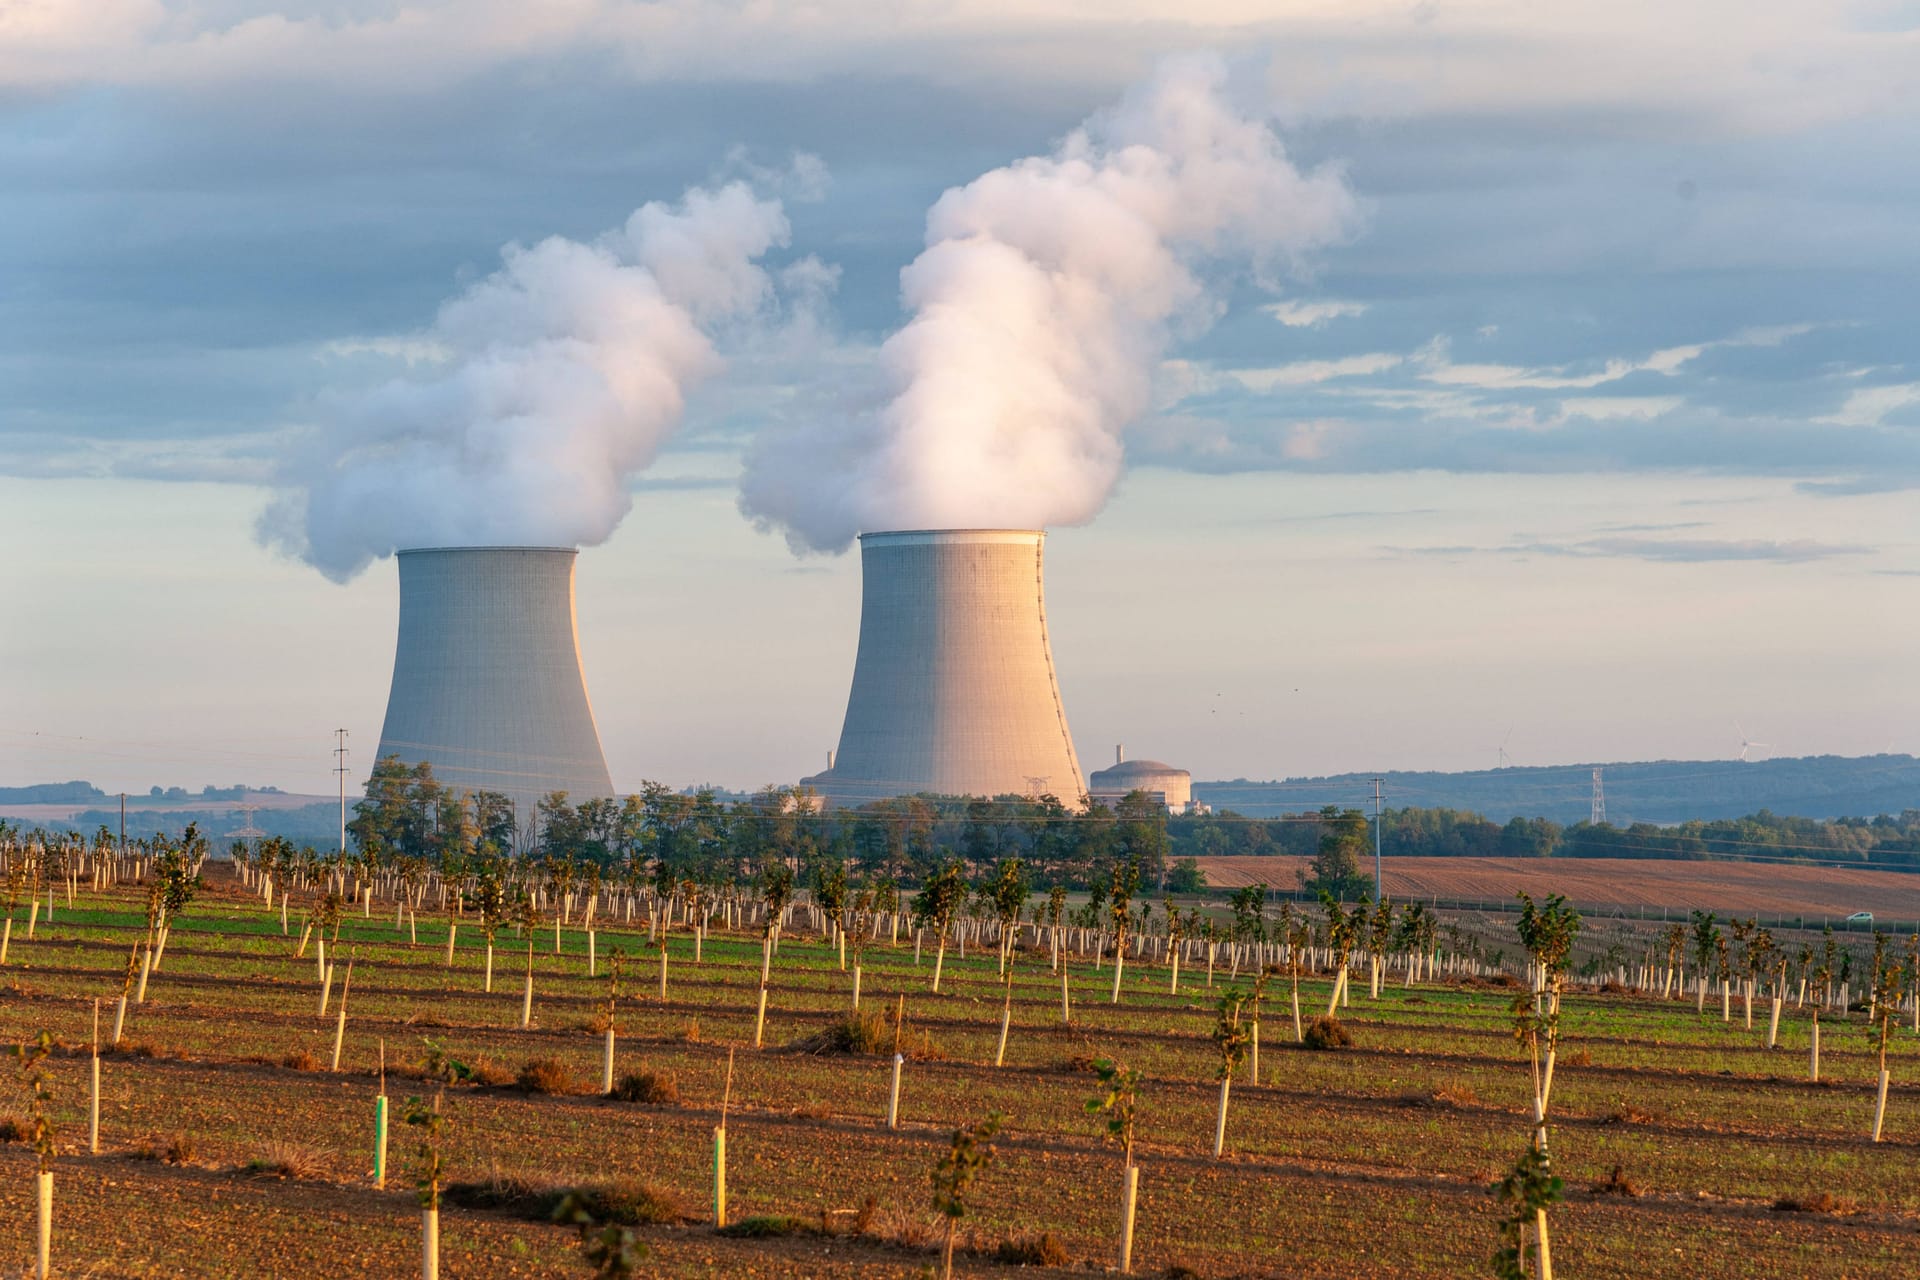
(1005, 968)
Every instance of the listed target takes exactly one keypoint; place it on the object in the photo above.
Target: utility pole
(123, 824)
(340, 754)
(1378, 889)
(1599, 801)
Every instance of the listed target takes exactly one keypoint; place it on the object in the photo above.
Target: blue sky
(1601, 431)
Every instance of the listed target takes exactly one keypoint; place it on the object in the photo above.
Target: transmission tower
(247, 830)
(1599, 800)
(340, 755)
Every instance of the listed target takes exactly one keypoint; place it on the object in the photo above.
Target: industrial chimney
(953, 686)
(486, 677)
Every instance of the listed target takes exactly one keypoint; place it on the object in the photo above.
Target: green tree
(1547, 932)
(1009, 892)
(1335, 868)
(942, 895)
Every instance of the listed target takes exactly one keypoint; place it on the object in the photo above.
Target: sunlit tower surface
(487, 683)
(1599, 800)
(953, 685)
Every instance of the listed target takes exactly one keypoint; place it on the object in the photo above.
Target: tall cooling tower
(953, 688)
(486, 678)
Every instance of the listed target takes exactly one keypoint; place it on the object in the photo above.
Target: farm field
(1599, 883)
(228, 1148)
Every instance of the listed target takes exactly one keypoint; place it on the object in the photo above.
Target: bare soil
(1744, 887)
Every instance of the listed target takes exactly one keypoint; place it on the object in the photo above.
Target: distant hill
(317, 824)
(1662, 791)
(53, 793)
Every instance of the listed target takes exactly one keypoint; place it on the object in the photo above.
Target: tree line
(1888, 841)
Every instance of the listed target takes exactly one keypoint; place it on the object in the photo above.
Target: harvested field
(1596, 883)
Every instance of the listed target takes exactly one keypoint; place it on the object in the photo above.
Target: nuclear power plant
(486, 676)
(953, 685)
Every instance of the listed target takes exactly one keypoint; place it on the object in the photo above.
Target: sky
(1595, 436)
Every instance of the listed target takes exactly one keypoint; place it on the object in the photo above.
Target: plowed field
(1598, 883)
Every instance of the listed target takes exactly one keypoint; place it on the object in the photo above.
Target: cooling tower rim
(418, 551)
(929, 537)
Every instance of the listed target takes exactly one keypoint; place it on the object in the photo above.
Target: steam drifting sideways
(555, 379)
(1046, 296)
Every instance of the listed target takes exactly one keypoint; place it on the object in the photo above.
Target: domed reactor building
(1161, 782)
(487, 686)
(953, 686)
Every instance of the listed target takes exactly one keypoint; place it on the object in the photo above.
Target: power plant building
(953, 686)
(1161, 782)
(487, 685)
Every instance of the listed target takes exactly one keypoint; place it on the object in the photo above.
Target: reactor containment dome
(487, 686)
(953, 686)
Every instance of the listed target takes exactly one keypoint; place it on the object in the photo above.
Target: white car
(1860, 917)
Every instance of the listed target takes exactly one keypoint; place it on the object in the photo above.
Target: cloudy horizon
(1599, 433)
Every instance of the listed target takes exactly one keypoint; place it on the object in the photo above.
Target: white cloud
(412, 348)
(1438, 364)
(1870, 406)
(1311, 315)
(1302, 373)
(1638, 408)
(1725, 65)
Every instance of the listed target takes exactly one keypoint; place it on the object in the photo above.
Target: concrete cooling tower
(486, 678)
(953, 687)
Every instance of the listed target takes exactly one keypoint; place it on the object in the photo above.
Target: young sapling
(432, 1122)
(936, 903)
(37, 1081)
(954, 1176)
(720, 1151)
(1231, 1036)
(1529, 1188)
(1119, 1087)
(612, 1007)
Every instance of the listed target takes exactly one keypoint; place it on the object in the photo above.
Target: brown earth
(1767, 889)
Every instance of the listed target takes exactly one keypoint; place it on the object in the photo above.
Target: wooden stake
(93, 1107)
(340, 1028)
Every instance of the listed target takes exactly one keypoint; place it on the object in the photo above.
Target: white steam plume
(1046, 295)
(558, 377)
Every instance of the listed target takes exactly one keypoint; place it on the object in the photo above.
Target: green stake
(380, 1124)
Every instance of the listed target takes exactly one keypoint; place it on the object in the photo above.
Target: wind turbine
(1501, 760)
(1746, 743)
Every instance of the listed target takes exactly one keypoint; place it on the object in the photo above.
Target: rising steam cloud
(554, 380)
(1045, 298)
